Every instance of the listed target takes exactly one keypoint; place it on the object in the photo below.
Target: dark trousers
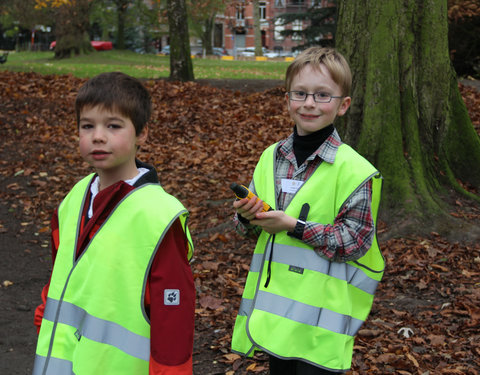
(294, 367)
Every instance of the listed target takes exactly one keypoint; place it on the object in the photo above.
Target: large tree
(407, 114)
(72, 25)
(181, 67)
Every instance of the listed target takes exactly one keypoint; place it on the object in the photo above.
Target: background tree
(122, 7)
(256, 28)
(72, 26)
(321, 24)
(181, 67)
(136, 23)
(17, 15)
(407, 115)
(202, 15)
(103, 20)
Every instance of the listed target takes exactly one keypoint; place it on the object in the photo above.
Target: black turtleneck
(306, 145)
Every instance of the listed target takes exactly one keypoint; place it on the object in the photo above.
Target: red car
(97, 44)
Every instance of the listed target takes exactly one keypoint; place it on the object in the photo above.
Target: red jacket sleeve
(172, 306)
(54, 241)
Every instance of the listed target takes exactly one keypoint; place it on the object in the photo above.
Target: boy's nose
(309, 100)
(98, 135)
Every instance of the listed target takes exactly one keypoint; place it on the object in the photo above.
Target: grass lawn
(140, 66)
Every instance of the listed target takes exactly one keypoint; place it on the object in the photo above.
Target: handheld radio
(242, 191)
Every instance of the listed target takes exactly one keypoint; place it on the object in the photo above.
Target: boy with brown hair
(121, 297)
(317, 263)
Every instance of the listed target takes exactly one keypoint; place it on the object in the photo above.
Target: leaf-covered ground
(426, 316)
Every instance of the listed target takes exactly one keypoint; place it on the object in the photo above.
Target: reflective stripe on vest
(84, 330)
(312, 307)
(99, 330)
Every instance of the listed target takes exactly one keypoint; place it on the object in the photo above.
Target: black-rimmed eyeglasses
(318, 97)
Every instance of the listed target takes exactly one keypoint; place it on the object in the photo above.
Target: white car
(250, 52)
(271, 54)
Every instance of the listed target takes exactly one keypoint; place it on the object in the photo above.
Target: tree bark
(207, 35)
(407, 115)
(256, 28)
(72, 29)
(181, 68)
(122, 6)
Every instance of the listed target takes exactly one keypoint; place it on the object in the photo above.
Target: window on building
(278, 29)
(280, 3)
(263, 10)
(297, 26)
(240, 13)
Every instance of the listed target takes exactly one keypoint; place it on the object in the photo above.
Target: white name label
(291, 186)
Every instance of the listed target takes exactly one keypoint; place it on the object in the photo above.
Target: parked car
(249, 52)
(165, 50)
(97, 44)
(220, 51)
(271, 54)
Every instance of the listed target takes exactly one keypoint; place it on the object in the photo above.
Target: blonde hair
(330, 58)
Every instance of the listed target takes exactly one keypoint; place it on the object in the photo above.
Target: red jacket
(171, 342)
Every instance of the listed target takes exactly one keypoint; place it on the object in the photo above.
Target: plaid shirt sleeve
(351, 234)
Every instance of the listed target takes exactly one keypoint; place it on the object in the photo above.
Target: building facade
(237, 24)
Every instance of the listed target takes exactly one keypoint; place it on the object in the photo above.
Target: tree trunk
(181, 68)
(122, 6)
(256, 28)
(72, 29)
(407, 115)
(207, 35)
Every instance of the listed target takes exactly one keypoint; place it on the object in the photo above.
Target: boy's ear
(346, 101)
(142, 137)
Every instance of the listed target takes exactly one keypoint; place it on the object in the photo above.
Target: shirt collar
(327, 151)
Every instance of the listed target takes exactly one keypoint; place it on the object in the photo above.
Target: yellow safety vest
(94, 320)
(312, 307)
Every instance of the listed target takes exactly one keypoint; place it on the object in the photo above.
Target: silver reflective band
(99, 330)
(256, 264)
(245, 308)
(307, 314)
(309, 260)
(55, 366)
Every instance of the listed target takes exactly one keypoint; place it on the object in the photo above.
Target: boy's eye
(114, 126)
(86, 126)
(322, 95)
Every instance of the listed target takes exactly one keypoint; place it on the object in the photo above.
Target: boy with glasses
(317, 263)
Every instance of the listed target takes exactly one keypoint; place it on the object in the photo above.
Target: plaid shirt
(351, 234)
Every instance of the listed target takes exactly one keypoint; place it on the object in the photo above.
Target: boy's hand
(271, 221)
(248, 208)
(274, 221)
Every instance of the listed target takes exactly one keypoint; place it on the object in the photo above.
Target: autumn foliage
(426, 316)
